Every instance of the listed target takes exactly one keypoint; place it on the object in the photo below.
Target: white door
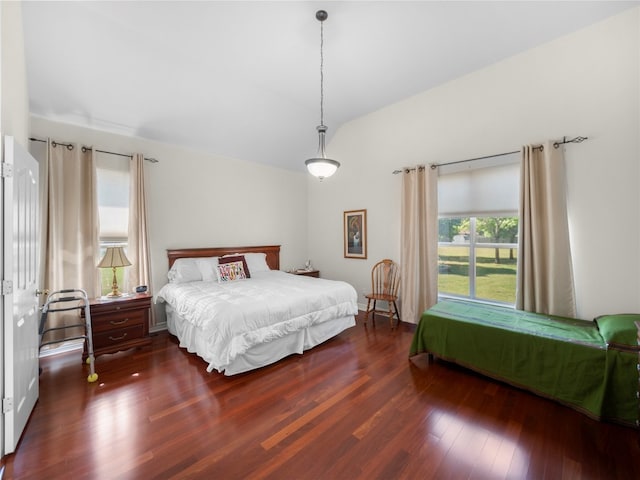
(20, 248)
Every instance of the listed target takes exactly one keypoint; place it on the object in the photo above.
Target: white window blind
(113, 197)
(480, 188)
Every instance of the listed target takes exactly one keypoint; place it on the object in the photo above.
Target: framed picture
(355, 234)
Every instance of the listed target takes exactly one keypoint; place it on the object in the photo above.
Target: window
(478, 228)
(477, 258)
(112, 174)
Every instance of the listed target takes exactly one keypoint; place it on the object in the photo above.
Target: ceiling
(241, 79)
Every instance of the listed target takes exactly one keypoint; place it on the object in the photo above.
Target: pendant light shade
(321, 166)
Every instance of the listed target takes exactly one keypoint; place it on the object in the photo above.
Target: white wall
(199, 200)
(14, 116)
(586, 83)
(15, 100)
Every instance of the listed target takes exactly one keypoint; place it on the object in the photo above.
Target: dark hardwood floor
(354, 407)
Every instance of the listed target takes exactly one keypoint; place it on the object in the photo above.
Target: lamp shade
(114, 257)
(321, 167)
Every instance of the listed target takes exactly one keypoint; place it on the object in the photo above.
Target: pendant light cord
(321, 73)
(321, 166)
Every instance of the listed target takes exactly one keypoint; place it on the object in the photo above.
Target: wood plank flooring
(354, 407)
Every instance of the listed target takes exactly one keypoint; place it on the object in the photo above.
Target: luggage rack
(64, 296)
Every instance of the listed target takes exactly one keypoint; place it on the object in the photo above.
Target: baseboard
(161, 327)
(64, 347)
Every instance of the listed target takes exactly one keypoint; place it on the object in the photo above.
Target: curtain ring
(68, 145)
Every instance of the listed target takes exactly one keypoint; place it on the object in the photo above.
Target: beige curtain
(44, 215)
(70, 228)
(139, 273)
(545, 276)
(419, 242)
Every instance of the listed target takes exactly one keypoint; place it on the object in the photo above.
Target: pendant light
(321, 166)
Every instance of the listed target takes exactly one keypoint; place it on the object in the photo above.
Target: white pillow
(184, 270)
(256, 262)
(208, 267)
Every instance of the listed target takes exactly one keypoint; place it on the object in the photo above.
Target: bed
(590, 366)
(235, 309)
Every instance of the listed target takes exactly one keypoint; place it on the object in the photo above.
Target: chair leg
(373, 313)
(395, 307)
(366, 314)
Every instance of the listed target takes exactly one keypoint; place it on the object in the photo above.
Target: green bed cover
(588, 365)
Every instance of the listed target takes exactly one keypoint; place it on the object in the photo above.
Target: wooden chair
(385, 281)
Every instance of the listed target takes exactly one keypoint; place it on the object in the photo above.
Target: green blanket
(590, 366)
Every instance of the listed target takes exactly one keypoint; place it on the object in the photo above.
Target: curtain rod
(555, 145)
(84, 149)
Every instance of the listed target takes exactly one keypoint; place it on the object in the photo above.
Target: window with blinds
(478, 228)
(113, 198)
(112, 174)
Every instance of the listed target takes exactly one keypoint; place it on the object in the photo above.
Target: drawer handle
(115, 339)
(120, 322)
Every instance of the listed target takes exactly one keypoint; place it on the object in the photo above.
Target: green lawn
(494, 281)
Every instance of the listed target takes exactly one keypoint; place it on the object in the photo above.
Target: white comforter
(235, 316)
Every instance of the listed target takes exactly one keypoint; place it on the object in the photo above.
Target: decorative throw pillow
(236, 258)
(228, 272)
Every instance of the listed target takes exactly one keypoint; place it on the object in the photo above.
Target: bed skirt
(192, 339)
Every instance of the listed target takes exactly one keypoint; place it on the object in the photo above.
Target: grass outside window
(494, 281)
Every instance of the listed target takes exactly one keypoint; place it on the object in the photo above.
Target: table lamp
(114, 257)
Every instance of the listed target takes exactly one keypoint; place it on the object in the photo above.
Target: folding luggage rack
(65, 296)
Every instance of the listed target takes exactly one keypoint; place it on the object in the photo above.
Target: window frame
(472, 245)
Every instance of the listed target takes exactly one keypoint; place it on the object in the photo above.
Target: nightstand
(307, 273)
(119, 323)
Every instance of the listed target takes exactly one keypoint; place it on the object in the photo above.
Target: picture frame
(355, 234)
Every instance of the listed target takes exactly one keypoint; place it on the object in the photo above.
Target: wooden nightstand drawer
(115, 338)
(122, 319)
(107, 306)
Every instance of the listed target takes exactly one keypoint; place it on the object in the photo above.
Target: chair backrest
(385, 277)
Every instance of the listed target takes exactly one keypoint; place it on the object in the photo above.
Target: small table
(119, 323)
(307, 273)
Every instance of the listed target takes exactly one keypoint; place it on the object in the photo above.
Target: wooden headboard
(272, 252)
